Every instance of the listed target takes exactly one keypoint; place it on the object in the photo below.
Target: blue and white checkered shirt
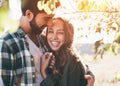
(16, 63)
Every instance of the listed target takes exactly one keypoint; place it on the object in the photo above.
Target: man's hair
(30, 5)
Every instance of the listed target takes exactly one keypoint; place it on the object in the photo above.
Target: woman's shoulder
(72, 57)
(75, 61)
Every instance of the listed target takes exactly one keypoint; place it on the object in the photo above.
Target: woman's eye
(61, 32)
(50, 31)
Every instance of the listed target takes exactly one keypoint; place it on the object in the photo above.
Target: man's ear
(29, 15)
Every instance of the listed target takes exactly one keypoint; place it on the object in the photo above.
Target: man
(20, 52)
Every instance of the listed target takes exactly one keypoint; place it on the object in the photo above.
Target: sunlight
(92, 19)
(1, 2)
(95, 20)
(15, 9)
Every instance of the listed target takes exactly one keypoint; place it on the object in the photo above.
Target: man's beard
(35, 28)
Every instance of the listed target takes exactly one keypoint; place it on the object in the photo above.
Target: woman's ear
(29, 15)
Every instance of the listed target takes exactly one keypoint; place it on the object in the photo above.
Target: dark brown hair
(69, 32)
(30, 5)
(61, 55)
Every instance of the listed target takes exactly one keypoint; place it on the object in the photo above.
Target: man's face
(39, 22)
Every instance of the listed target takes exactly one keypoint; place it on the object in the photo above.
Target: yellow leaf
(39, 5)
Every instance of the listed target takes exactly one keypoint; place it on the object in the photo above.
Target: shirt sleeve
(88, 71)
(1, 81)
(49, 81)
(5, 63)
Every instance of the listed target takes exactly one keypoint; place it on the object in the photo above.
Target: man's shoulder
(12, 41)
(8, 37)
(13, 36)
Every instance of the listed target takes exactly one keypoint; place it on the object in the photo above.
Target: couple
(22, 52)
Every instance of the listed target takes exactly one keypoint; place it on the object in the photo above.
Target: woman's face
(55, 34)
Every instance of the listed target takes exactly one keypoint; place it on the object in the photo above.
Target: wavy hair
(61, 55)
(66, 50)
(30, 5)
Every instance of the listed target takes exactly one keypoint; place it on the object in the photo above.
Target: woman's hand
(47, 60)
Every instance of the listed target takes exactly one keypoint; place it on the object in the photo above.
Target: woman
(68, 69)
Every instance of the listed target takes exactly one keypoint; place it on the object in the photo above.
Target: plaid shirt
(16, 63)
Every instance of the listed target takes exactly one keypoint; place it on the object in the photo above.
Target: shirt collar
(21, 33)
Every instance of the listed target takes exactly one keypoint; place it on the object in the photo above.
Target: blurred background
(97, 31)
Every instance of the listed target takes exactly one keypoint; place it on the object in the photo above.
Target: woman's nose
(54, 36)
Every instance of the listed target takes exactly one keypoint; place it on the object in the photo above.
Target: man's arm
(89, 76)
(90, 80)
(5, 63)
